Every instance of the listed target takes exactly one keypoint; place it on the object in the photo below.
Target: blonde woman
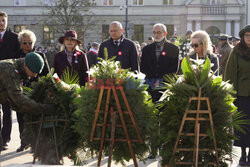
(202, 48)
(72, 57)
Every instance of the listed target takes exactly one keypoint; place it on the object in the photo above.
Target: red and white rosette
(77, 54)
(119, 53)
(163, 53)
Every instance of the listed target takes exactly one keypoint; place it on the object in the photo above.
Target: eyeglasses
(247, 35)
(195, 45)
(158, 32)
(25, 43)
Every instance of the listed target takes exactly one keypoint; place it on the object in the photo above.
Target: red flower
(119, 53)
(163, 53)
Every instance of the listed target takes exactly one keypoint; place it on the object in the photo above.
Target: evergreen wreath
(174, 102)
(105, 71)
(49, 91)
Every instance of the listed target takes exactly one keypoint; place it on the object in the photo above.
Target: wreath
(108, 72)
(174, 102)
(51, 91)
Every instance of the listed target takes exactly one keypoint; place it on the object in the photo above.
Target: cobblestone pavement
(9, 157)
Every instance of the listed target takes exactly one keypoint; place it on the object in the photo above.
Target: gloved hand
(49, 108)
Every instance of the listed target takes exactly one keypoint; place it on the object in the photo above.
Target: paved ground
(10, 158)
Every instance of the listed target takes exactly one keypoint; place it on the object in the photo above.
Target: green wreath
(175, 101)
(48, 90)
(138, 99)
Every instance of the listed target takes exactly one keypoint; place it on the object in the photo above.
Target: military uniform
(224, 54)
(12, 74)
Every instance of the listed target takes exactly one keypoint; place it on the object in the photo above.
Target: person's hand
(49, 108)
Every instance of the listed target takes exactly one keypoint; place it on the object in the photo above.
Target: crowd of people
(156, 58)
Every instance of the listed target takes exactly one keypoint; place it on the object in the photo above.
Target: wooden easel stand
(54, 135)
(113, 123)
(196, 133)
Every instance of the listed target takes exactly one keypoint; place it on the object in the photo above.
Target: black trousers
(7, 122)
(243, 104)
(20, 124)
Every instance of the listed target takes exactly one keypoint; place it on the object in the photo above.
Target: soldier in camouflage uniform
(12, 74)
(224, 50)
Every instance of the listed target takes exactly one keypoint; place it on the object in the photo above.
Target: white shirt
(2, 34)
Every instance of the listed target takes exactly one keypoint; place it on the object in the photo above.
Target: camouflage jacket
(12, 73)
(224, 54)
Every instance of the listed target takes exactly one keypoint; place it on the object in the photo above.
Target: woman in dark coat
(238, 73)
(71, 57)
(202, 48)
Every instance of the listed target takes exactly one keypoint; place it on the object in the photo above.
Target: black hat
(69, 33)
(95, 44)
(173, 39)
(235, 39)
(223, 37)
(189, 32)
(244, 30)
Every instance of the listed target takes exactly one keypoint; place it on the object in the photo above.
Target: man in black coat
(121, 47)
(93, 54)
(159, 58)
(9, 47)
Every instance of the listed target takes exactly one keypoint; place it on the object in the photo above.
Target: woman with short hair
(202, 48)
(71, 57)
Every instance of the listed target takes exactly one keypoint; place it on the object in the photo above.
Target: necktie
(116, 43)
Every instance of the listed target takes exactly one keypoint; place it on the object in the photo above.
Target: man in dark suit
(121, 47)
(159, 58)
(9, 47)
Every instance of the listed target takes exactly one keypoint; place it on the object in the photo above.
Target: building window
(214, 2)
(48, 34)
(19, 28)
(105, 32)
(19, 2)
(138, 33)
(170, 30)
(168, 2)
(137, 2)
(49, 2)
(107, 2)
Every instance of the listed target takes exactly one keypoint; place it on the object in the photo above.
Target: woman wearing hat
(71, 57)
(238, 73)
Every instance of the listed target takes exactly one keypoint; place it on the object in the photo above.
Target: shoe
(151, 156)
(3, 148)
(243, 161)
(22, 148)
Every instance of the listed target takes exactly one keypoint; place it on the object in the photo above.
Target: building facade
(214, 16)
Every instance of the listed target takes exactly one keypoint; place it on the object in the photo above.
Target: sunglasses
(25, 43)
(195, 45)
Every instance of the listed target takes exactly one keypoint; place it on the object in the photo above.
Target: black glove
(49, 108)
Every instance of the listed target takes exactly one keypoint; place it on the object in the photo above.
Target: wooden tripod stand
(196, 133)
(113, 124)
(41, 123)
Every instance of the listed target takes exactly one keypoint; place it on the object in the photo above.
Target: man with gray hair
(158, 59)
(122, 48)
(27, 40)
